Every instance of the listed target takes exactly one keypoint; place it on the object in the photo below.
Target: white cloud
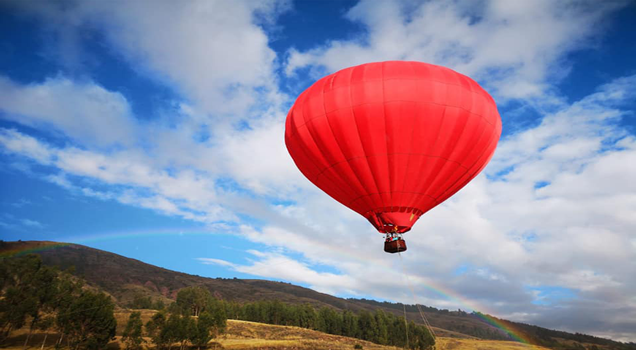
(258, 160)
(24, 145)
(215, 53)
(512, 48)
(277, 266)
(85, 112)
(31, 223)
(182, 192)
(10, 222)
(212, 261)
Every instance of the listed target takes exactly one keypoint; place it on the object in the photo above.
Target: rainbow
(29, 248)
(466, 303)
(428, 285)
(107, 236)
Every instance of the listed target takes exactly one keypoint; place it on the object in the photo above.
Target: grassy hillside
(477, 344)
(125, 278)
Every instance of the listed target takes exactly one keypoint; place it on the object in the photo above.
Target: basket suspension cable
(406, 324)
(422, 315)
(428, 325)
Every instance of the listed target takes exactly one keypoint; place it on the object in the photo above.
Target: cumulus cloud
(85, 112)
(25, 145)
(183, 192)
(510, 47)
(215, 53)
(273, 265)
(257, 158)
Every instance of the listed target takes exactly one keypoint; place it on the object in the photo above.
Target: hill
(126, 279)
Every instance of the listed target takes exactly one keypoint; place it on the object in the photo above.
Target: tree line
(377, 327)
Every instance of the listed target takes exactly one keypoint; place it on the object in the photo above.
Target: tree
(382, 335)
(68, 290)
(154, 329)
(419, 337)
(232, 309)
(141, 302)
(43, 292)
(332, 320)
(28, 290)
(193, 300)
(176, 330)
(350, 324)
(219, 321)
(132, 335)
(159, 305)
(91, 324)
(308, 317)
(44, 324)
(368, 326)
(398, 332)
(202, 330)
(18, 300)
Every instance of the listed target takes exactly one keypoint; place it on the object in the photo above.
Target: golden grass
(476, 344)
(444, 333)
(251, 335)
(122, 315)
(244, 335)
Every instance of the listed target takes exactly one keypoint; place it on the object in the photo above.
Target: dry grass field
(243, 335)
(476, 344)
(251, 335)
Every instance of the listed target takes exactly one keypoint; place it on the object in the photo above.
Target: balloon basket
(394, 246)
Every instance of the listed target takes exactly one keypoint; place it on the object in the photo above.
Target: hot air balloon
(392, 140)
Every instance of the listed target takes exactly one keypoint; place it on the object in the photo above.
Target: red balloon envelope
(391, 140)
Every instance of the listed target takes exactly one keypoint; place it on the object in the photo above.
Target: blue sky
(155, 131)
